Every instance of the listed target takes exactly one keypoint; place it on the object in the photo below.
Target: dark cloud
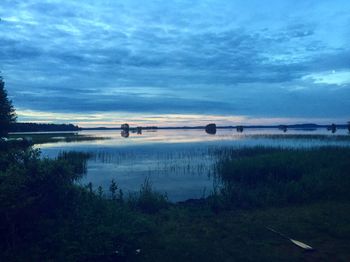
(127, 103)
(167, 57)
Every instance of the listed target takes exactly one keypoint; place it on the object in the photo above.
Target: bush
(46, 216)
(147, 200)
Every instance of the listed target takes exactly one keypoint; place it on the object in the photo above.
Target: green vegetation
(47, 216)
(7, 112)
(148, 200)
(43, 138)
(256, 177)
(329, 137)
(42, 127)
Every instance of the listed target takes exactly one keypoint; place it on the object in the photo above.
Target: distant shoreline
(36, 127)
(295, 126)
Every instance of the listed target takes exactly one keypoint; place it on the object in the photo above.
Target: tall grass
(147, 200)
(76, 160)
(43, 138)
(271, 176)
(321, 137)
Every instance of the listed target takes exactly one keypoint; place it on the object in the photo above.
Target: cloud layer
(275, 59)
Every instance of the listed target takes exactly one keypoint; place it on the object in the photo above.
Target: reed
(278, 176)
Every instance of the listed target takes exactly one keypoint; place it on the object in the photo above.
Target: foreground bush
(147, 200)
(45, 216)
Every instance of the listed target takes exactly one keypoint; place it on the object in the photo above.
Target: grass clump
(76, 160)
(270, 176)
(326, 137)
(147, 200)
(43, 138)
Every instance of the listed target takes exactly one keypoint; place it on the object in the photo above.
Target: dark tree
(211, 129)
(40, 127)
(125, 127)
(7, 111)
(240, 129)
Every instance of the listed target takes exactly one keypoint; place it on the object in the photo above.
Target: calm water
(178, 162)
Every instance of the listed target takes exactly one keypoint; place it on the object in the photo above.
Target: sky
(176, 63)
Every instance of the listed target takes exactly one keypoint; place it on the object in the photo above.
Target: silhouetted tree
(332, 128)
(39, 127)
(211, 129)
(125, 127)
(7, 111)
(239, 129)
(283, 128)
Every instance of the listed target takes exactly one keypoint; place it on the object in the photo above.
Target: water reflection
(179, 162)
(125, 133)
(283, 128)
(239, 129)
(332, 128)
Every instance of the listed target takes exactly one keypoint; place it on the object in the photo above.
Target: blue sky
(177, 62)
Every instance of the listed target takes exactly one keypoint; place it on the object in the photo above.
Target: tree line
(37, 127)
(8, 118)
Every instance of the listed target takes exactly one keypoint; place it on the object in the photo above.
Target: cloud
(214, 57)
(339, 78)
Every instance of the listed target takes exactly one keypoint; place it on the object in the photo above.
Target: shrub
(147, 200)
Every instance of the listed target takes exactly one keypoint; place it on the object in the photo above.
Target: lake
(177, 162)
